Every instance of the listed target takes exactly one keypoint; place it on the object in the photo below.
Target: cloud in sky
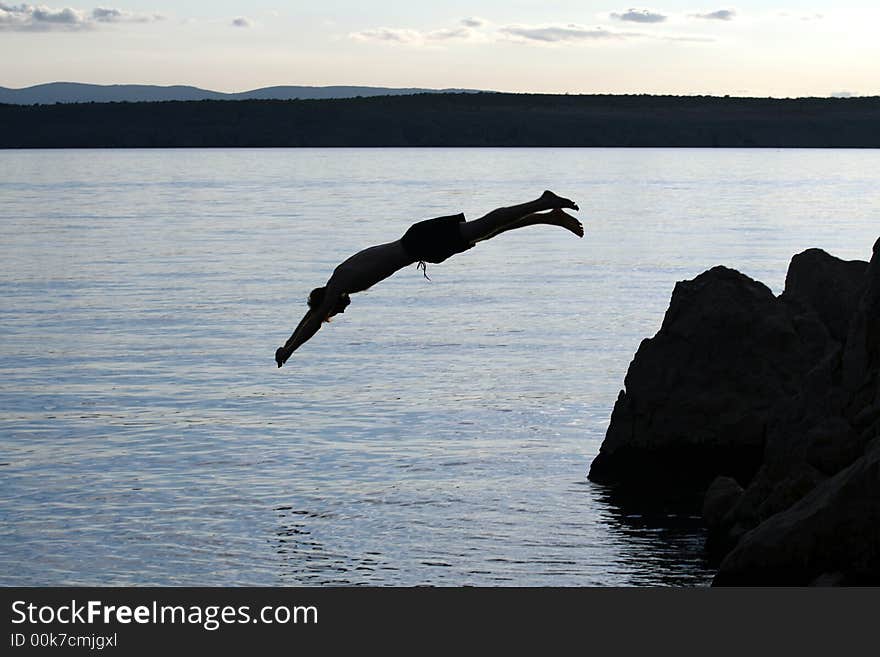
(30, 18)
(557, 34)
(105, 15)
(719, 15)
(479, 30)
(413, 37)
(572, 34)
(241, 21)
(449, 33)
(473, 21)
(387, 34)
(640, 16)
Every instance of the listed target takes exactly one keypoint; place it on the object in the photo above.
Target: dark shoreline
(451, 120)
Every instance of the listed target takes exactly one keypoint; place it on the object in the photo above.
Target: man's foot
(553, 201)
(563, 219)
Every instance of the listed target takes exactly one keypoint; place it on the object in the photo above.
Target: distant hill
(75, 92)
(486, 119)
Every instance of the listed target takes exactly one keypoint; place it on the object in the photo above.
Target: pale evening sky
(778, 48)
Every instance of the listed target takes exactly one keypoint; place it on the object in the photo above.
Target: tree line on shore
(484, 119)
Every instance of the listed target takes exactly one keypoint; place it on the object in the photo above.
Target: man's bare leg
(499, 220)
(555, 217)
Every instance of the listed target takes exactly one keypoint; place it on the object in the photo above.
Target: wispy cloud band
(557, 34)
(414, 37)
(478, 30)
(719, 15)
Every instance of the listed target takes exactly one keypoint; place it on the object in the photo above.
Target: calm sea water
(438, 433)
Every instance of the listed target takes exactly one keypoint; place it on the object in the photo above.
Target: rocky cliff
(772, 406)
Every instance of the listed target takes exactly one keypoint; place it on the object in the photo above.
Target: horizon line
(839, 95)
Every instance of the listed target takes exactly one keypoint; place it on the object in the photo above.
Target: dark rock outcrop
(830, 536)
(776, 400)
(699, 394)
(826, 285)
(723, 495)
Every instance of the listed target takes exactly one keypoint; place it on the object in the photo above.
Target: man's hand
(280, 356)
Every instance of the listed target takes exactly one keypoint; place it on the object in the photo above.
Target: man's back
(366, 268)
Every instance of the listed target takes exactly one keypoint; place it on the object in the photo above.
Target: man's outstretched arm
(306, 328)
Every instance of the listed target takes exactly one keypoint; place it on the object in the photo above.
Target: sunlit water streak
(438, 433)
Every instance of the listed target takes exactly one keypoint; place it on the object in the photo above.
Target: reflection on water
(439, 433)
(662, 534)
(643, 548)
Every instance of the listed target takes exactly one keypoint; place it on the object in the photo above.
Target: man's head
(317, 297)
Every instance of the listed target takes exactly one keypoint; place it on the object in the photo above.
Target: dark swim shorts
(435, 240)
